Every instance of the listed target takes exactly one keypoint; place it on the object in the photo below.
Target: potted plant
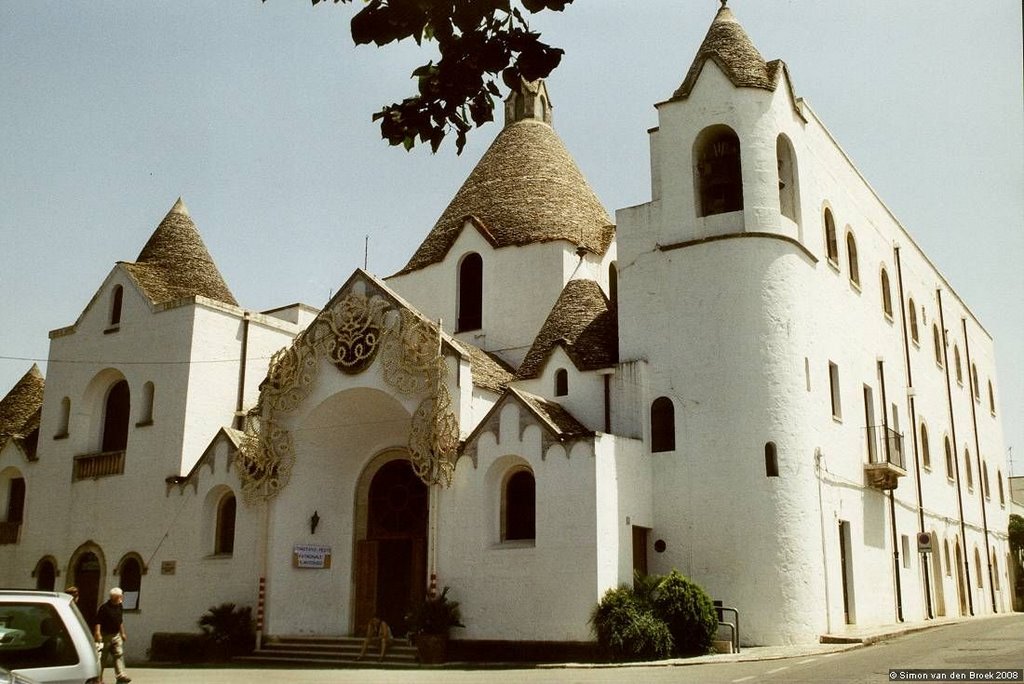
(429, 622)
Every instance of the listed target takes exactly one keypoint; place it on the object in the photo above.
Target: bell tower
(529, 101)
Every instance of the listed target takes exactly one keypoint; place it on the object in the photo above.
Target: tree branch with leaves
(479, 41)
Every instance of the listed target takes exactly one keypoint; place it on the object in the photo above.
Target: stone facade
(754, 382)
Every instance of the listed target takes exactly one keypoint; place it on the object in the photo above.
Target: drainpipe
(239, 422)
(977, 452)
(956, 464)
(913, 424)
(892, 500)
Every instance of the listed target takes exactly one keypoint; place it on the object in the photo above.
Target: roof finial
(723, 3)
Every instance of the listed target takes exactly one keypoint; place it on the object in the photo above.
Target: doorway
(391, 558)
(85, 575)
(846, 569)
(940, 597)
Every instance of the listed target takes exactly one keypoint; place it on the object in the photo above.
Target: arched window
(967, 470)
(471, 292)
(771, 460)
(224, 540)
(64, 423)
(851, 258)
(974, 383)
(613, 284)
(984, 480)
(912, 312)
(977, 568)
(663, 425)
(115, 418)
(956, 362)
(46, 574)
(945, 552)
(788, 196)
(148, 396)
(949, 459)
(926, 457)
(561, 382)
(831, 241)
(995, 570)
(991, 399)
(937, 342)
(130, 571)
(115, 305)
(999, 481)
(519, 519)
(12, 500)
(886, 295)
(718, 171)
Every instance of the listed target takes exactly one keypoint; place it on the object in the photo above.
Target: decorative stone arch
(87, 570)
(46, 573)
(718, 171)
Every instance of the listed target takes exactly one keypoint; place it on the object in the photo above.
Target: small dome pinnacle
(179, 208)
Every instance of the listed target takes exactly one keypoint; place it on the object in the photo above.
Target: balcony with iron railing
(885, 457)
(101, 464)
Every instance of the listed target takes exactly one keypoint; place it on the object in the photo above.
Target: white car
(45, 638)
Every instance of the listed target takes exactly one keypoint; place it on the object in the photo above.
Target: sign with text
(312, 556)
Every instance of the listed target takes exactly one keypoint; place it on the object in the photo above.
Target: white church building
(757, 378)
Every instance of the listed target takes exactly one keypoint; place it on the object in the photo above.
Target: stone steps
(328, 651)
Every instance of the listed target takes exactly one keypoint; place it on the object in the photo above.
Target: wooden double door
(391, 561)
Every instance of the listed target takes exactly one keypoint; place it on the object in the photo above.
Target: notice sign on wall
(312, 556)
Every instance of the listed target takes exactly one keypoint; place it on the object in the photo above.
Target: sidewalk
(830, 643)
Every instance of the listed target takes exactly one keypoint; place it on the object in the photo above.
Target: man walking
(109, 634)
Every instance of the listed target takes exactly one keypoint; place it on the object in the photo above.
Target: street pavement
(807, 655)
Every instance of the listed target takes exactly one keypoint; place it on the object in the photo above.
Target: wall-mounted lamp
(314, 520)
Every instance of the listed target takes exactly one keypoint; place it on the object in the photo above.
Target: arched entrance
(86, 574)
(391, 547)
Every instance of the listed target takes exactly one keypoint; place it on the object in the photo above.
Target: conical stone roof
(175, 263)
(21, 404)
(526, 189)
(584, 323)
(731, 49)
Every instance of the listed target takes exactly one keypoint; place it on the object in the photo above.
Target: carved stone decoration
(264, 460)
(409, 360)
(434, 439)
(357, 328)
(352, 334)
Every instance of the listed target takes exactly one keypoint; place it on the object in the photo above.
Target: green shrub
(658, 617)
(627, 629)
(688, 611)
(231, 630)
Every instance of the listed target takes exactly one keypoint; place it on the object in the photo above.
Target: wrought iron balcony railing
(885, 457)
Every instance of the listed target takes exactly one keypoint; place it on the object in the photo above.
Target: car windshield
(33, 635)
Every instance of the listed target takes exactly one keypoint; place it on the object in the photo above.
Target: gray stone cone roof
(563, 423)
(20, 408)
(731, 49)
(583, 322)
(525, 189)
(488, 372)
(175, 263)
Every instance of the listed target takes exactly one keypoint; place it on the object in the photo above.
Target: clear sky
(258, 115)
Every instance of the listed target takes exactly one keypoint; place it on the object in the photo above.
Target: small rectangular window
(833, 381)
(905, 550)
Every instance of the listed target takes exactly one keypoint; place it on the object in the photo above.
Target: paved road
(996, 642)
